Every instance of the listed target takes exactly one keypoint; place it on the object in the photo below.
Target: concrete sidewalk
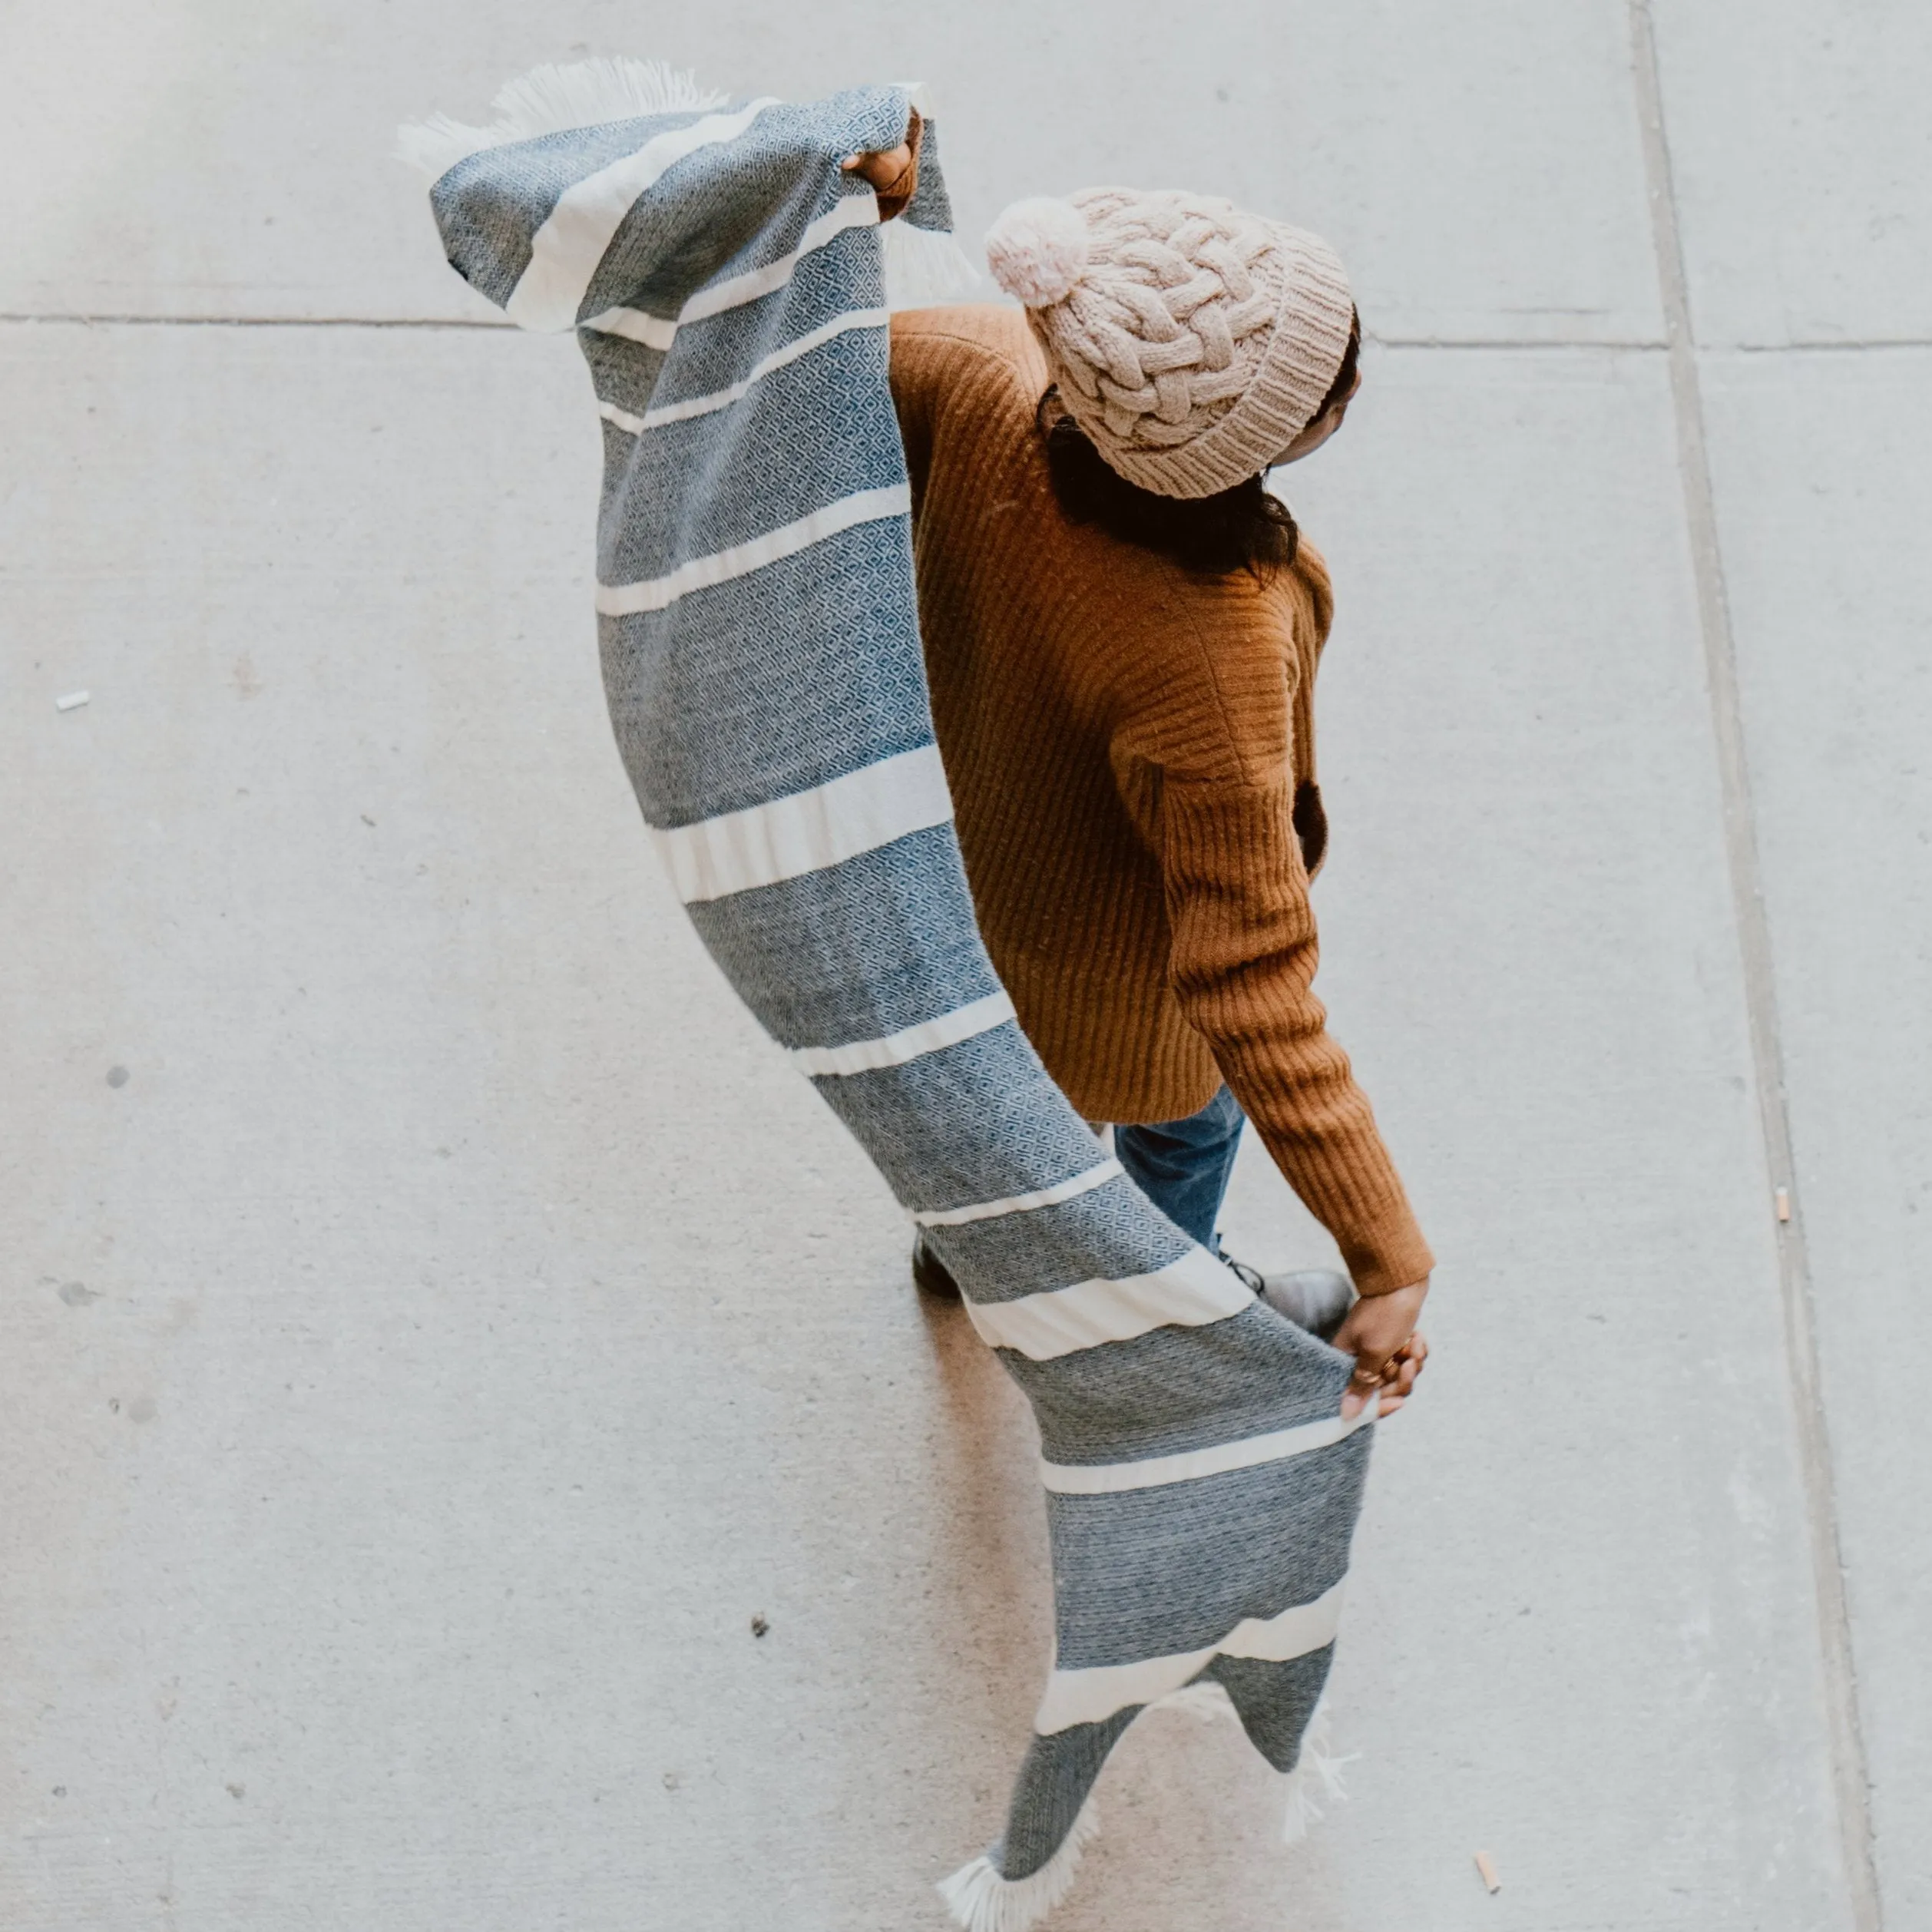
(436, 1320)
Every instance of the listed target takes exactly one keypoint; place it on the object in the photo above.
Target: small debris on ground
(760, 1623)
(117, 1077)
(1486, 1868)
(670, 1781)
(1784, 1204)
(73, 701)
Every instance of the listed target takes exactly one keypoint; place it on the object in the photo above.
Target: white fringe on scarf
(982, 1901)
(1317, 1774)
(549, 99)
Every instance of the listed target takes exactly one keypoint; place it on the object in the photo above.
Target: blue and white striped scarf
(761, 654)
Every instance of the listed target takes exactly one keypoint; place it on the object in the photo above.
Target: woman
(1122, 629)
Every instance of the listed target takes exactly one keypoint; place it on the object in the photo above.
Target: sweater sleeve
(919, 367)
(955, 371)
(1220, 820)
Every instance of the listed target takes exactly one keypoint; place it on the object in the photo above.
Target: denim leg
(1182, 1166)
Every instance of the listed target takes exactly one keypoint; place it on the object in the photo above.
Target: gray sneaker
(1317, 1299)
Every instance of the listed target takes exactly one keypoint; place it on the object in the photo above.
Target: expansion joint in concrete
(1850, 1779)
(1504, 345)
(1524, 345)
(83, 320)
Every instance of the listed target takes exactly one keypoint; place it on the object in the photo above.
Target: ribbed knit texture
(1130, 749)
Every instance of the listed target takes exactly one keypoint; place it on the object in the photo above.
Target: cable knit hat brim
(1191, 341)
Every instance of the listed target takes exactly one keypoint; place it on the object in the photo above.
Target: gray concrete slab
(459, 1322)
(193, 159)
(460, 1275)
(1820, 466)
(1801, 149)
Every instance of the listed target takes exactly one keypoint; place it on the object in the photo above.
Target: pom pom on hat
(1037, 250)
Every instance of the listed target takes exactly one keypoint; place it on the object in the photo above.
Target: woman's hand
(894, 172)
(1379, 1333)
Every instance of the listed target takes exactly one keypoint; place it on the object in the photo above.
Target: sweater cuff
(1389, 1255)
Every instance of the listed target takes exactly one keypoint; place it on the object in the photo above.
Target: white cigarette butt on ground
(73, 701)
(1784, 1204)
(1486, 1869)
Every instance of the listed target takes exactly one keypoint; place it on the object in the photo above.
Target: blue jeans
(1182, 1166)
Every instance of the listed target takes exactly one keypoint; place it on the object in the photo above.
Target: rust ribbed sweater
(1131, 754)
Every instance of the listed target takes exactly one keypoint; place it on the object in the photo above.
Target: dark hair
(1345, 376)
(1241, 528)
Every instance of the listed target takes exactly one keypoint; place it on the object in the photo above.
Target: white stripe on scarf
(1188, 1293)
(1086, 1696)
(702, 573)
(807, 830)
(565, 251)
(657, 331)
(1110, 1478)
(702, 406)
(910, 1042)
(1041, 1197)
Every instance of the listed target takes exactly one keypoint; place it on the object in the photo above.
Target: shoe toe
(1314, 1298)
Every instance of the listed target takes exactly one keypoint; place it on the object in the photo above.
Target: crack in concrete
(1850, 1776)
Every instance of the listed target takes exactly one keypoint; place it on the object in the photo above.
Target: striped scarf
(728, 284)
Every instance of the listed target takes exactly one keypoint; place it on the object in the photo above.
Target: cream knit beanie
(1191, 342)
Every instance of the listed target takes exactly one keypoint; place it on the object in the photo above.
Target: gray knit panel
(1054, 1783)
(1275, 1701)
(1181, 1389)
(490, 205)
(784, 170)
(856, 952)
(830, 281)
(931, 206)
(674, 505)
(624, 373)
(1165, 1571)
(1101, 1235)
(768, 670)
(977, 1122)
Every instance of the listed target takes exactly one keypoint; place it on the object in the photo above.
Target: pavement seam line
(78, 320)
(1608, 345)
(1850, 1776)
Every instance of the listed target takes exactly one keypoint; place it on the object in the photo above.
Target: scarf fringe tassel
(1315, 1781)
(981, 1900)
(550, 99)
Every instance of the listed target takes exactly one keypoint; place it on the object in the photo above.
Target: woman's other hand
(1379, 1333)
(894, 172)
